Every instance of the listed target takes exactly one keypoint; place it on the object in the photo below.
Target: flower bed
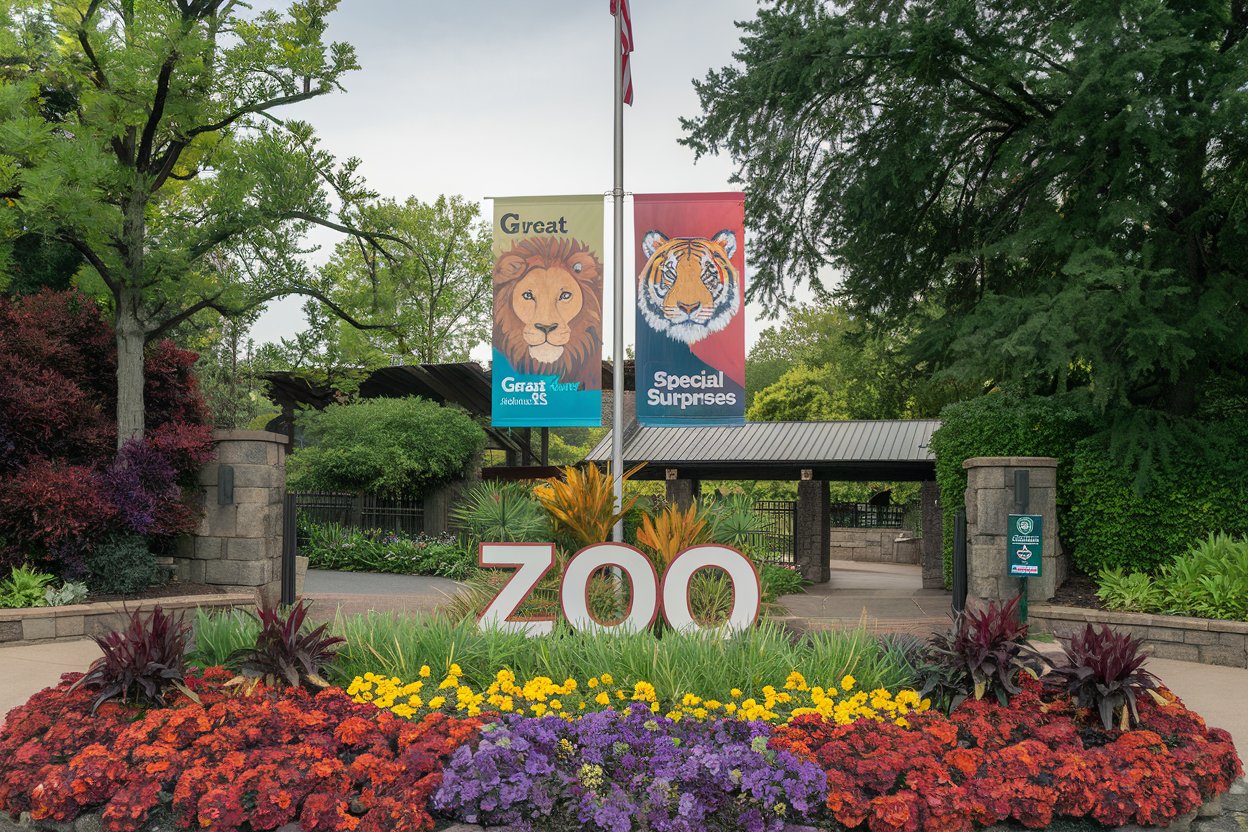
(228, 762)
(235, 762)
(541, 695)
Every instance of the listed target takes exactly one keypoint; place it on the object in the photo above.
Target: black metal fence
(775, 543)
(361, 511)
(867, 516)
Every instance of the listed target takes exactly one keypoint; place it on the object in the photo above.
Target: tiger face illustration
(688, 288)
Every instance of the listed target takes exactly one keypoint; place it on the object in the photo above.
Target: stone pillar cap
(1010, 462)
(249, 436)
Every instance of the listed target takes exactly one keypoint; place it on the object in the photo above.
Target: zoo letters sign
(690, 292)
(547, 367)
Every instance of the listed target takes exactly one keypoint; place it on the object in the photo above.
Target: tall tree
(867, 373)
(171, 171)
(435, 291)
(1064, 180)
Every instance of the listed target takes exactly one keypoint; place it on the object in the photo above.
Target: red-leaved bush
(230, 762)
(1030, 761)
(62, 483)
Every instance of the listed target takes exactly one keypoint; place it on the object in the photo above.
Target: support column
(989, 501)
(238, 543)
(812, 531)
(933, 537)
(682, 493)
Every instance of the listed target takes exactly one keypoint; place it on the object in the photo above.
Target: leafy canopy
(435, 291)
(1063, 181)
(148, 136)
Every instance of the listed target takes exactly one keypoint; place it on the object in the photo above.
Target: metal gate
(775, 543)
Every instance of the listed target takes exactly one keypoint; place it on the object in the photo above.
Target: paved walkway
(352, 593)
(888, 596)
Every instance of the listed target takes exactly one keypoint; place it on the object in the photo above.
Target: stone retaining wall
(876, 545)
(1225, 813)
(79, 620)
(1170, 636)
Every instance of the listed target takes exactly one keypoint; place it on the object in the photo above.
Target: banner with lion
(547, 368)
(690, 293)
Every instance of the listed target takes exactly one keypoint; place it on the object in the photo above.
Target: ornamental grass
(840, 701)
(395, 646)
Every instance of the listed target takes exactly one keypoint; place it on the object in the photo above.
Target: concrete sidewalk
(889, 596)
(352, 593)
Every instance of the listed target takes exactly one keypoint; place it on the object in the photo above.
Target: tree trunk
(131, 338)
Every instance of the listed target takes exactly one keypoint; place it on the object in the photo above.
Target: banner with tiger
(690, 293)
(547, 368)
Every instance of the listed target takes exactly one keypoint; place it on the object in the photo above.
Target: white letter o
(747, 595)
(639, 571)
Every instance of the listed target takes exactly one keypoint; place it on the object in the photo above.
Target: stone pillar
(812, 531)
(238, 543)
(932, 531)
(989, 499)
(437, 507)
(682, 493)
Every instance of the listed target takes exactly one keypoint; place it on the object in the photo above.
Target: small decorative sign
(1024, 545)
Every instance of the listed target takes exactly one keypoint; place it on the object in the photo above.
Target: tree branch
(280, 101)
(158, 110)
(225, 310)
(94, 259)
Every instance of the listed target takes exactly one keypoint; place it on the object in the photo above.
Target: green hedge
(1002, 424)
(391, 447)
(1203, 489)
(1104, 521)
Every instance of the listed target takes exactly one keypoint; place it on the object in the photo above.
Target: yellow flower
(593, 683)
(603, 698)
(848, 682)
(424, 671)
(736, 693)
(437, 702)
(606, 679)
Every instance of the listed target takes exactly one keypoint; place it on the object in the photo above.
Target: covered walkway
(810, 453)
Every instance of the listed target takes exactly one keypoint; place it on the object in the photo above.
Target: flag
(620, 7)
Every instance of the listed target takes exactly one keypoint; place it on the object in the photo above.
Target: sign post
(1024, 537)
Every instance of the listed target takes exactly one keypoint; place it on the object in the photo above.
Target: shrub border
(1204, 640)
(43, 624)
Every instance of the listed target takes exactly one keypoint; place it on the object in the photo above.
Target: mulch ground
(1078, 591)
(170, 590)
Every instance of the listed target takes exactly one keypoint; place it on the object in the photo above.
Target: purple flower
(622, 771)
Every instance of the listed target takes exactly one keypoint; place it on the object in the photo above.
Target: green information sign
(1024, 539)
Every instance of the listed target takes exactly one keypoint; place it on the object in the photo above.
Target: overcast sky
(496, 97)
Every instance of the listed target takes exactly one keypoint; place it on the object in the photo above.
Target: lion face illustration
(548, 309)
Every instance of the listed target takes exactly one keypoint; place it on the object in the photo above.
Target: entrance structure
(810, 453)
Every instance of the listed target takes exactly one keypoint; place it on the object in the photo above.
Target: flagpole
(617, 192)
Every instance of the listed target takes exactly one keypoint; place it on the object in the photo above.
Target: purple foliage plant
(143, 486)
